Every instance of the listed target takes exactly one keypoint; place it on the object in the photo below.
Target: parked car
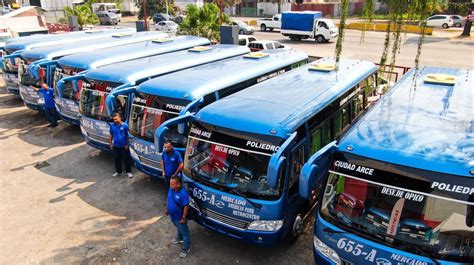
(444, 21)
(107, 18)
(458, 20)
(178, 19)
(261, 45)
(245, 40)
(243, 28)
(158, 17)
(166, 26)
(270, 23)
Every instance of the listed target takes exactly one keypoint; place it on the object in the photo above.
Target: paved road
(71, 211)
(436, 51)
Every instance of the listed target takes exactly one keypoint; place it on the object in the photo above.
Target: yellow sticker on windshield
(322, 67)
(256, 55)
(199, 48)
(441, 79)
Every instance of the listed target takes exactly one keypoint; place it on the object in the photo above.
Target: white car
(166, 26)
(245, 40)
(261, 45)
(444, 21)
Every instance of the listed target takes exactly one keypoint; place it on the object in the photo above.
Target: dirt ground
(59, 204)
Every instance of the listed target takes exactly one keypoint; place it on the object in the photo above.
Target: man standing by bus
(118, 141)
(49, 107)
(171, 163)
(177, 206)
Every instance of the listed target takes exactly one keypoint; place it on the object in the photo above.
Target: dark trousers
(51, 115)
(120, 154)
(183, 233)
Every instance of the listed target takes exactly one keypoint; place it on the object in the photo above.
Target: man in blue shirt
(118, 141)
(177, 206)
(49, 107)
(171, 163)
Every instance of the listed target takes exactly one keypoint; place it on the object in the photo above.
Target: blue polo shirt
(171, 162)
(48, 96)
(177, 200)
(119, 134)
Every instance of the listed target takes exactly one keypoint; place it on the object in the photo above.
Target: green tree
(152, 7)
(203, 21)
(83, 13)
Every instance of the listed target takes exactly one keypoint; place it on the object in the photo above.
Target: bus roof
(427, 126)
(58, 39)
(56, 51)
(102, 57)
(280, 105)
(198, 81)
(134, 70)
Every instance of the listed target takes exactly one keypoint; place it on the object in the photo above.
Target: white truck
(308, 25)
(269, 23)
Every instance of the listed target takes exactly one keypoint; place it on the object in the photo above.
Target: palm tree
(83, 13)
(203, 21)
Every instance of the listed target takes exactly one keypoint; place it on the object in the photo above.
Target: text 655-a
(356, 249)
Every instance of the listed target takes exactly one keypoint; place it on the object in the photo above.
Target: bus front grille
(150, 163)
(98, 138)
(69, 113)
(220, 218)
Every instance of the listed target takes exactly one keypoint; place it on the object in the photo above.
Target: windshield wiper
(236, 191)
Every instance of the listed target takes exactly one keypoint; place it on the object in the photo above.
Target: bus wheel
(320, 39)
(296, 228)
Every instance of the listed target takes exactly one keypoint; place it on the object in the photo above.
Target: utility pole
(144, 15)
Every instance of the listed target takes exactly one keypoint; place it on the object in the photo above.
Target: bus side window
(316, 140)
(336, 123)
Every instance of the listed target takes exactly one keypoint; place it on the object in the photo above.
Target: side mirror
(314, 171)
(161, 131)
(277, 161)
(112, 97)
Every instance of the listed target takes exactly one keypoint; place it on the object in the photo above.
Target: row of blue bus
(267, 137)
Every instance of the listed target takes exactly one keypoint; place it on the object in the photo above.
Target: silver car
(108, 18)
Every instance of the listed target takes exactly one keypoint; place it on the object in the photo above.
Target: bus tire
(296, 228)
(263, 27)
(320, 39)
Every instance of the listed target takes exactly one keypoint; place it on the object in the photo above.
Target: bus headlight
(326, 251)
(265, 225)
(41, 101)
(133, 154)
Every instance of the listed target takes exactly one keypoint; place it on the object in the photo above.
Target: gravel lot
(61, 205)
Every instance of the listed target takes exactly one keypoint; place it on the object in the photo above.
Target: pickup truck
(270, 23)
(308, 25)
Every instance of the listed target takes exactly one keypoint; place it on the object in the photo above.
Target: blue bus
(160, 100)
(400, 188)
(68, 67)
(38, 65)
(245, 152)
(125, 76)
(13, 49)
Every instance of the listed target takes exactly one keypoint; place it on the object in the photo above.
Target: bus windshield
(24, 75)
(228, 161)
(148, 112)
(417, 222)
(68, 89)
(92, 103)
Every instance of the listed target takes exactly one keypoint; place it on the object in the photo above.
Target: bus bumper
(32, 99)
(97, 145)
(69, 120)
(13, 89)
(262, 238)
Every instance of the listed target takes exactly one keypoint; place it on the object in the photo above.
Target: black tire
(445, 26)
(241, 32)
(458, 24)
(263, 27)
(296, 228)
(320, 39)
